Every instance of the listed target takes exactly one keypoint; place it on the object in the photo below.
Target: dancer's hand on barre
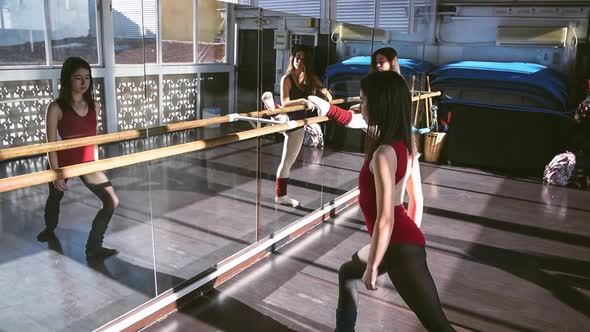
(308, 105)
(60, 184)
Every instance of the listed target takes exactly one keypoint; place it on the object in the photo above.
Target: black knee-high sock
(103, 217)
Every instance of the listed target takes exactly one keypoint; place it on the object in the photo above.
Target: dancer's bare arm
(286, 100)
(414, 188)
(383, 166)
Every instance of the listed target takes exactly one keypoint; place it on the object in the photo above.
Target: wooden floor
(177, 217)
(506, 255)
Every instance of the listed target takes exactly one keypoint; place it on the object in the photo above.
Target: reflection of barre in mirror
(28, 180)
(36, 149)
(253, 120)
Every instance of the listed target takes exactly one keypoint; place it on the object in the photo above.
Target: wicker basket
(433, 144)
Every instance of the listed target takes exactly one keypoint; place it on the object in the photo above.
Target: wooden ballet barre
(32, 150)
(252, 119)
(422, 95)
(27, 180)
(426, 95)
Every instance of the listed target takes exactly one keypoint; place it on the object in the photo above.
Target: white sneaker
(286, 200)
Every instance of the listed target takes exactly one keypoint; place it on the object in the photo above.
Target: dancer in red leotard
(397, 245)
(73, 115)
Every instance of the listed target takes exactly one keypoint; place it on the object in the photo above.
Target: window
(22, 39)
(309, 8)
(394, 15)
(73, 30)
(212, 37)
(360, 12)
(177, 30)
(135, 28)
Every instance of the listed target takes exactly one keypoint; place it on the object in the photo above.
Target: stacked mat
(504, 115)
(343, 78)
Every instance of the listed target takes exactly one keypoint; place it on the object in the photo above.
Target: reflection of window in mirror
(304, 39)
(212, 31)
(176, 17)
(74, 30)
(134, 45)
(23, 39)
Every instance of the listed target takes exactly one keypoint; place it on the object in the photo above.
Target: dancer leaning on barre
(297, 83)
(397, 245)
(74, 114)
(296, 86)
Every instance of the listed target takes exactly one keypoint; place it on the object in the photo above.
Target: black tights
(406, 265)
(101, 220)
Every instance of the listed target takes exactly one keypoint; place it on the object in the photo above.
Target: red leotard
(71, 126)
(404, 228)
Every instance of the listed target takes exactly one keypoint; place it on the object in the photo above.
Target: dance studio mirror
(167, 73)
(84, 68)
(203, 203)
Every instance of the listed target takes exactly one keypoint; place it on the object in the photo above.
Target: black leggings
(101, 220)
(406, 265)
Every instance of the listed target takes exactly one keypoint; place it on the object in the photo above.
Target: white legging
(291, 148)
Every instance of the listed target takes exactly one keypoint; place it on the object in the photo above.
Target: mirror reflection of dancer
(383, 59)
(397, 245)
(74, 114)
(297, 83)
(296, 86)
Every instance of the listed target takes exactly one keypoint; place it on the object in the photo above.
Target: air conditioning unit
(358, 32)
(538, 36)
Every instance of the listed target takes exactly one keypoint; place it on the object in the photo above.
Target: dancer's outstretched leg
(291, 148)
